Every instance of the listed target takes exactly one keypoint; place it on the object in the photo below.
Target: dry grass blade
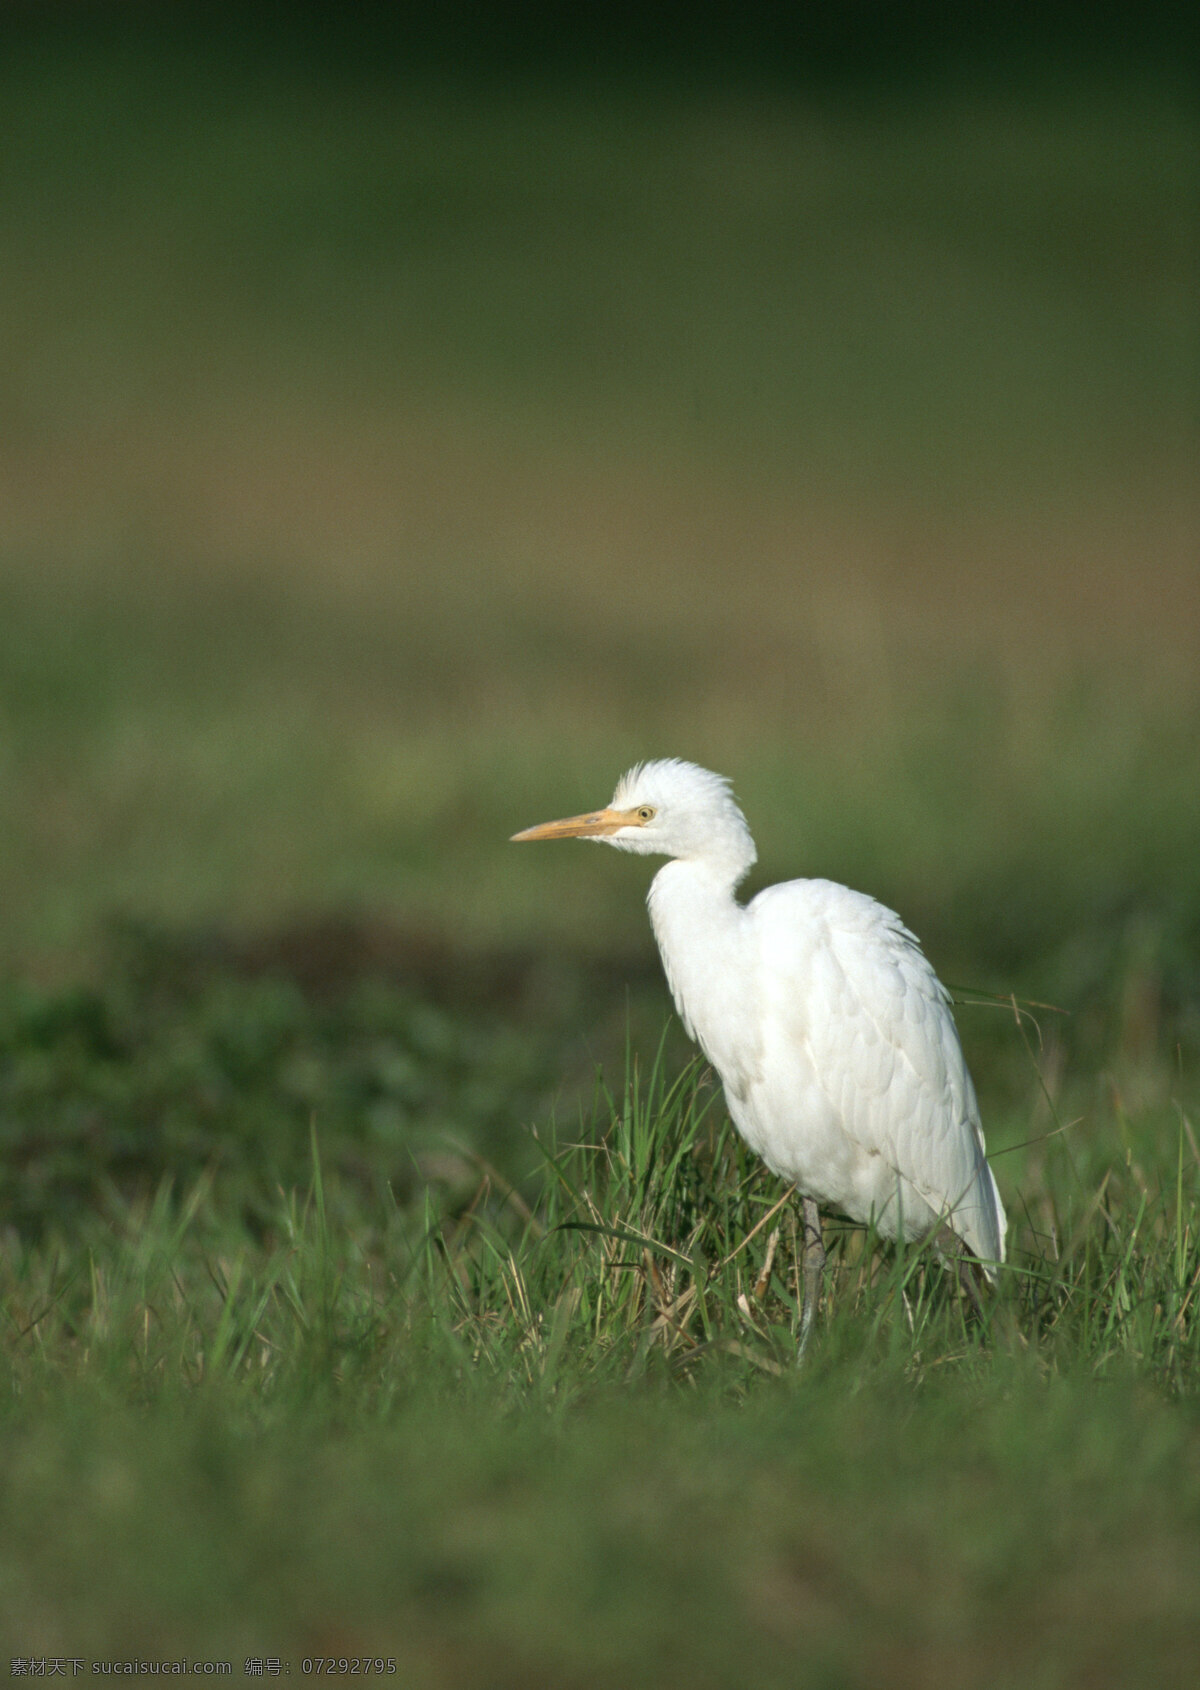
(755, 1229)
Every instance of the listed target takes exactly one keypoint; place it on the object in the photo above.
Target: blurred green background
(409, 421)
(405, 425)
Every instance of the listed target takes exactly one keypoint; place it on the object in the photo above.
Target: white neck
(701, 931)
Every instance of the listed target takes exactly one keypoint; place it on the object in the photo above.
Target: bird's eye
(645, 812)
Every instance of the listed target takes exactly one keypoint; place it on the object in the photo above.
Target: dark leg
(955, 1255)
(814, 1267)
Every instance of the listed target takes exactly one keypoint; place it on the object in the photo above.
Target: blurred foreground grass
(500, 1443)
(385, 468)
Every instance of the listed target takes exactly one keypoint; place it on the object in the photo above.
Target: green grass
(558, 1432)
(387, 463)
(345, 1314)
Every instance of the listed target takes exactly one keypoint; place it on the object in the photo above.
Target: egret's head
(667, 809)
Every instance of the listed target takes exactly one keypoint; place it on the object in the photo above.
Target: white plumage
(832, 1035)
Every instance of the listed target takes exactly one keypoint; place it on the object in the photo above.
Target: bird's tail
(986, 1222)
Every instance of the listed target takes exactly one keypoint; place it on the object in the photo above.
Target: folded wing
(845, 983)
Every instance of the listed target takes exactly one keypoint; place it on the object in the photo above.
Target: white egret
(832, 1035)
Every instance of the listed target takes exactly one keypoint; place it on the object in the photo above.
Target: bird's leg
(955, 1254)
(814, 1267)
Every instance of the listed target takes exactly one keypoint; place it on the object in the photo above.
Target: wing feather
(845, 980)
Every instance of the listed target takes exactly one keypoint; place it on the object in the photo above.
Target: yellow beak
(595, 825)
